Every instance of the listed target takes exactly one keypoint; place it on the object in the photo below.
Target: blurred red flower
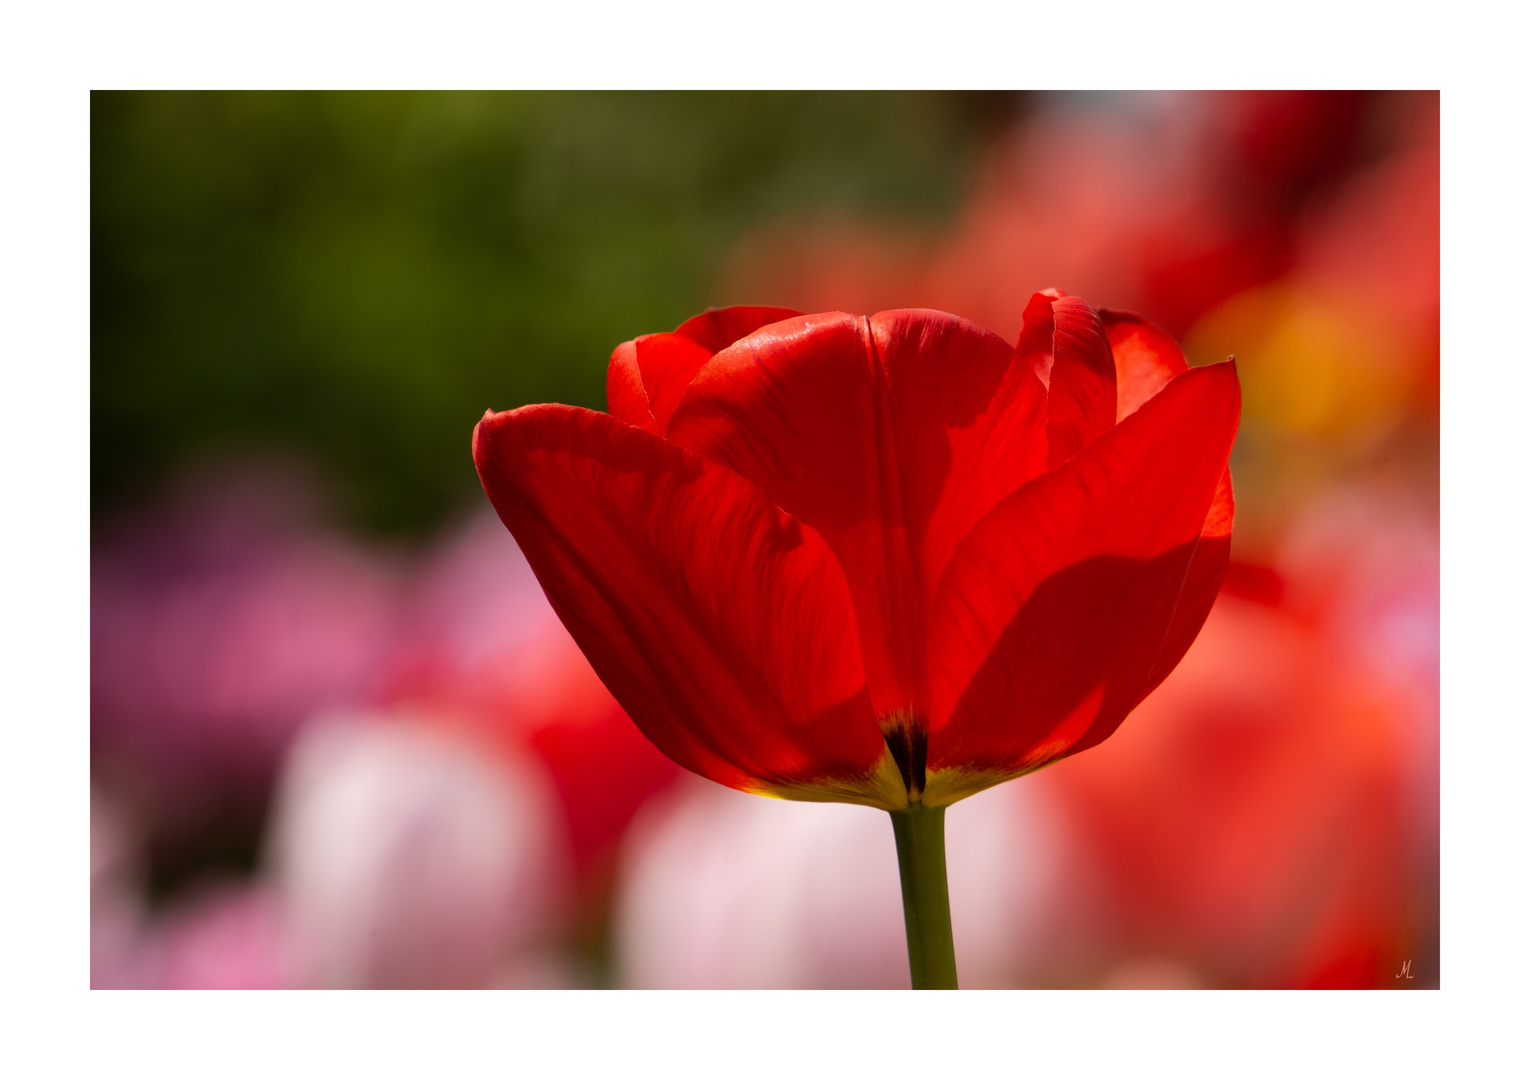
(1251, 828)
(884, 560)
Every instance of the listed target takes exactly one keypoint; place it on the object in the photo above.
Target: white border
(53, 55)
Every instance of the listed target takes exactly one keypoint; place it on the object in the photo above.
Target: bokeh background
(338, 738)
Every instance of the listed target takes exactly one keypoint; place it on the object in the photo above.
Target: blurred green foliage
(356, 277)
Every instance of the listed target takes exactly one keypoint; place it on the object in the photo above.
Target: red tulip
(889, 560)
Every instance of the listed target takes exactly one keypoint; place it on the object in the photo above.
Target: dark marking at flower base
(909, 745)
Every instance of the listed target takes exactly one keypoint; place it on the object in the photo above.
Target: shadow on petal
(1066, 670)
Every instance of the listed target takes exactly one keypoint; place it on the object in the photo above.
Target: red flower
(883, 560)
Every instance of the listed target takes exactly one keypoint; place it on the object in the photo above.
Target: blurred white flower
(723, 889)
(1022, 907)
(409, 857)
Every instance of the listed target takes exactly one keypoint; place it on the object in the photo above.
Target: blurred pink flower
(226, 620)
(1365, 562)
(407, 856)
(229, 936)
(217, 626)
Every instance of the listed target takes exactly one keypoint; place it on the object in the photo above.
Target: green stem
(921, 836)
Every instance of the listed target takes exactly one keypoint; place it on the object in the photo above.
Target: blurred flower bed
(323, 756)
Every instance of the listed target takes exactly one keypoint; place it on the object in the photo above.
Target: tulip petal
(625, 397)
(717, 328)
(668, 362)
(723, 626)
(1203, 581)
(890, 436)
(647, 376)
(799, 410)
(1035, 346)
(1080, 374)
(1147, 357)
(665, 365)
(969, 425)
(1081, 397)
(1054, 612)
